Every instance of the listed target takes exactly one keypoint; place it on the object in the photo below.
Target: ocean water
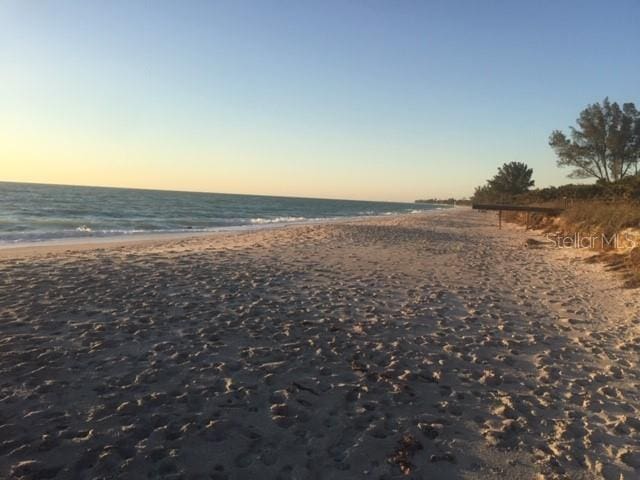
(36, 213)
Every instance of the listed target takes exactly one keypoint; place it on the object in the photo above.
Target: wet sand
(423, 346)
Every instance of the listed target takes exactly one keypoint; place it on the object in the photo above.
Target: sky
(380, 100)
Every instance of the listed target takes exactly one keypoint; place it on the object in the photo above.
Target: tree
(631, 110)
(606, 144)
(512, 178)
(483, 193)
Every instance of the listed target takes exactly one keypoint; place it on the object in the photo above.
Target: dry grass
(537, 221)
(596, 218)
(603, 217)
(626, 265)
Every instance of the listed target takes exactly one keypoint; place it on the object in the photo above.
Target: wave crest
(260, 221)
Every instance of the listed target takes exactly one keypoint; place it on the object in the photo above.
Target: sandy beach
(421, 346)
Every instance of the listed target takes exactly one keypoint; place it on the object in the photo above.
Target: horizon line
(205, 192)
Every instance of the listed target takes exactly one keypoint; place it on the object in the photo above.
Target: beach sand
(429, 346)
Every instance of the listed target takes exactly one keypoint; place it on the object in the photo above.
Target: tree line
(604, 144)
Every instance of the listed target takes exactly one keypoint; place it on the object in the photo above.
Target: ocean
(39, 213)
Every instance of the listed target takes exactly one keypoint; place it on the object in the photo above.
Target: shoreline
(141, 239)
(39, 214)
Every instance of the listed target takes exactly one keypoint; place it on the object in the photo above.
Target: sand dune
(427, 346)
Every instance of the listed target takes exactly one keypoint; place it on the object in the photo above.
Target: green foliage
(606, 144)
(627, 189)
(512, 179)
(484, 194)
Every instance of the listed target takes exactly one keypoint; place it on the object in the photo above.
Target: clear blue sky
(352, 99)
